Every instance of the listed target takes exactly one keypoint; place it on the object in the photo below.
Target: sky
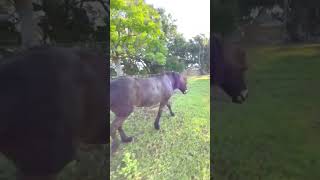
(193, 16)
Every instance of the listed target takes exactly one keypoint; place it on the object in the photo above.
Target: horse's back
(154, 91)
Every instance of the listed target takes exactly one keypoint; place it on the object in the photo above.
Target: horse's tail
(111, 97)
(113, 92)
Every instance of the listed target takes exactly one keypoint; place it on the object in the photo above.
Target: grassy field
(180, 150)
(275, 134)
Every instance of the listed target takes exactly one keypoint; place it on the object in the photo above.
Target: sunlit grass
(199, 77)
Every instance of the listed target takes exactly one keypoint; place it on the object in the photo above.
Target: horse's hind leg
(124, 137)
(113, 132)
(169, 107)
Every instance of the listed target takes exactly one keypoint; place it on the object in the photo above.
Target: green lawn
(180, 150)
(275, 134)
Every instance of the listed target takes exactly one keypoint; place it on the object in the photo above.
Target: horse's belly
(149, 100)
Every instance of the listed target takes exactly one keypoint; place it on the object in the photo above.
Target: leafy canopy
(136, 33)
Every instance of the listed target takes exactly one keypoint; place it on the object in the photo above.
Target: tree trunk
(28, 30)
(297, 20)
(117, 67)
(201, 64)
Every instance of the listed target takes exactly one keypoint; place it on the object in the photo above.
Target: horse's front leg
(169, 107)
(157, 120)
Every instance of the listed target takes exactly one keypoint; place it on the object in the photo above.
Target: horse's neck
(173, 82)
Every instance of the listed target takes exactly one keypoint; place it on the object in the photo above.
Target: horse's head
(180, 82)
(234, 83)
(230, 67)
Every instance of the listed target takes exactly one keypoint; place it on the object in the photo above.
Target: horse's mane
(217, 48)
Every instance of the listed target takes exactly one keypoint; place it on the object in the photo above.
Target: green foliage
(181, 52)
(160, 58)
(142, 34)
(66, 21)
(225, 16)
(176, 43)
(173, 64)
(178, 47)
(130, 169)
(136, 33)
(199, 52)
(112, 72)
(130, 67)
(179, 150)
(63, 21)
(300, 17)
(275, 134)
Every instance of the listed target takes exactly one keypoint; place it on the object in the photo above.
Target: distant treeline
(301, 18)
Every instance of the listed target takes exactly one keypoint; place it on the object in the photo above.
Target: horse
(128, 92)
(51, 100)
(228, 68)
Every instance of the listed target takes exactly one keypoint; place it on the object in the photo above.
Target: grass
(180, 150)
(275, 134)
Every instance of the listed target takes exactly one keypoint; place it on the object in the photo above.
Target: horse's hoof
(157, 126)
(172, 114)
(127, 140)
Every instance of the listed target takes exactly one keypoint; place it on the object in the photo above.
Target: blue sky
(193, 16)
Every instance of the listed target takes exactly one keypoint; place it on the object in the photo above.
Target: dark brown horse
(51, 99)
(229, 66)
(128, 92)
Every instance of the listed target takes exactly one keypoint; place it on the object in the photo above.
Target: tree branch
(105, 5)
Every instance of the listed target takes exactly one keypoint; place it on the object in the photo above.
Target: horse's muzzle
(241, 98)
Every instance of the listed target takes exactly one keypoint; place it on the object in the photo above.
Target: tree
(199, 52)
(61, 21)
(225, 16)
(300, 17)
(28, 28)
(136, 36)
(176, 43)
(182, 53)
(72, 20)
